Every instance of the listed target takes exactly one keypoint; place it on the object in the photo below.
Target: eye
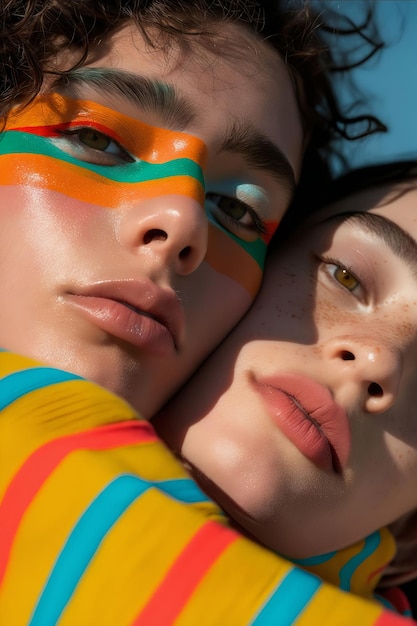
(94, 139)
(92, 146)
(236, 216)
(345, 278)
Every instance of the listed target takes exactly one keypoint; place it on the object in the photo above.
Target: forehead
(221, 58)
(231, 77)
(397, 203)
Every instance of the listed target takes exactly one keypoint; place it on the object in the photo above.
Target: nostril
(155, 234)
(348, 356)
(185, 252)
(375, 390)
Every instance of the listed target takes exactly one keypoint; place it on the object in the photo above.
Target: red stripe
(180, 582)
(398, 599)
(57, 130)
(43, 131)
(37, 468)
(388, 618)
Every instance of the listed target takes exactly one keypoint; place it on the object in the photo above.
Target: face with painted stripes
(137, 207)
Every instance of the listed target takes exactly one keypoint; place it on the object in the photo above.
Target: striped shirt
(100, 526)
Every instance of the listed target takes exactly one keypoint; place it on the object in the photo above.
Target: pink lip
(156, 323)
(307, 414)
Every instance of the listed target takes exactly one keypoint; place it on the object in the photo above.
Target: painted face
(303, 423)
(110, 267)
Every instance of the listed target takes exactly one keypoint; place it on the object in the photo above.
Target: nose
(370, 371)
(169, 230)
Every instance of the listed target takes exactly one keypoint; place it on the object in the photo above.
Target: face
(134, 197)
(303, 423)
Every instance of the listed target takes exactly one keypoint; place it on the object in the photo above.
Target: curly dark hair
(34, 31)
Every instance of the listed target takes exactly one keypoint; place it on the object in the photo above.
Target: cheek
(48, 235)
(221, 301)
(17, 229)
(242, 264)
(44, 173)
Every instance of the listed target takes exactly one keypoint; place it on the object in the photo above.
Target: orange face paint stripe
(227, 257)
(147, 142)
(72, 180)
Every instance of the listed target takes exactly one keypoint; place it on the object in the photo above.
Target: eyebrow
(176, 113)
(260, 153)
(400, 242)
(149, 95)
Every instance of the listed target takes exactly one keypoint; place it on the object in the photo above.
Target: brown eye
(230, 206)
(235, 216)
(233, 208)
(94, 139)
(345, 278)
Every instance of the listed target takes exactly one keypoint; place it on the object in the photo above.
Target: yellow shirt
(100, 526)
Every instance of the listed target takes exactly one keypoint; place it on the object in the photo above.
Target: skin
(83, 233)
(335, 325)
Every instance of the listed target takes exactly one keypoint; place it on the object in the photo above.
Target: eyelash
(258, 226)
(342, 266)
(123, 154)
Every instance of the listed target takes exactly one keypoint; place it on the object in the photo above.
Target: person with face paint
(106, 172)
(117, 276)
(111, 171)
(243, 428)
(302, 424)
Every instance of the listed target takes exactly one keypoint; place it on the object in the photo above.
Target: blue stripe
(289, 600)
(314, 560)
(183, 489)
(89, 532)
(82, 544)
(370, 546)
(17, 384)
(391, 607)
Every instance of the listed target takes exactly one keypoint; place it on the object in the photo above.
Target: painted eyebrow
(396, 238)
(148, 95)
(260, 153)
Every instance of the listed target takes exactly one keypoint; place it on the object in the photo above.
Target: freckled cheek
(328, 316)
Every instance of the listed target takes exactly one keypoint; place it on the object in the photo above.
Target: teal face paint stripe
(15, 385)
(17, 142)
(257, 249)
(371, 544)
(288, 600)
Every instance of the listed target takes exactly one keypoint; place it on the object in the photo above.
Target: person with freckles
(115, 140)
(301, 425)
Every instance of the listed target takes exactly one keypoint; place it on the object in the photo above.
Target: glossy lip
(136, 311)
(306, 413)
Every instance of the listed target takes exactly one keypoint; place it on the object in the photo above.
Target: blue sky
(389, 82)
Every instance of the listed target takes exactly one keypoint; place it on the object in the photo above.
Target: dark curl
(34, 31)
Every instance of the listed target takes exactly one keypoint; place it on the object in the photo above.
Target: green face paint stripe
(256, 249)
(16, 142)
